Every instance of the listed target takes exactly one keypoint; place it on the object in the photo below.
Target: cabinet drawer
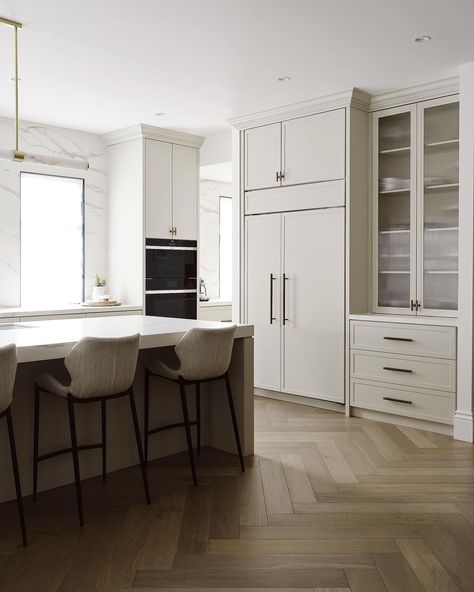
(421, 340)
(400, 369)
(427, 404)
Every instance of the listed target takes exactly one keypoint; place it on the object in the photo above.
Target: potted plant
(98, 291)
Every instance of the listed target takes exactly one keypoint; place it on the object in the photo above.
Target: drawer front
(430, 405)
(419, 340)
(409, 370)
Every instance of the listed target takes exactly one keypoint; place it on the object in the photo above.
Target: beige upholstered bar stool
(8, 363)
(100, 369)
(203, 355)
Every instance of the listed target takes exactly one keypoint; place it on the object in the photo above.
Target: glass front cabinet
(416, 208)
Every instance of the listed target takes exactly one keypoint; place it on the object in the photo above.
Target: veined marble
(210, 191)
(61, 143)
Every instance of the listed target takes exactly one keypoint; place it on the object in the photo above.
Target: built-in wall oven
(171, 278)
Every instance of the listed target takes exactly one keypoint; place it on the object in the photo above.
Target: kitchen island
(42, 346)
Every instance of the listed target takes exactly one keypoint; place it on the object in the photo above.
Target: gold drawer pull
(397, 400)
(397, 369)
(398, 338)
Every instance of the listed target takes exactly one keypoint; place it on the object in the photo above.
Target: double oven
(171, 286)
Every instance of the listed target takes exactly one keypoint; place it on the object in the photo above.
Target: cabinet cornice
(151, 132)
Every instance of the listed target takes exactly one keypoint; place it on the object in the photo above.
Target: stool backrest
(8, 365)
(205, 353)
(102, 366)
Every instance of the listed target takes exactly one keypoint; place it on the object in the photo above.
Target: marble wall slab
(62, 143)
(210, 191)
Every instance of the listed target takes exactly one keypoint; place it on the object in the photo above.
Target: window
(52, 240)
(225, 248)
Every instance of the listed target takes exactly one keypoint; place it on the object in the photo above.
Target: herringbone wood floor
(327, 504)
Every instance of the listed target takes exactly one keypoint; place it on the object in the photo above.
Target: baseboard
(299, 400)
(409, 422)
(464, 426)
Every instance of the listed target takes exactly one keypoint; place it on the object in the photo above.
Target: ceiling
(99, 65)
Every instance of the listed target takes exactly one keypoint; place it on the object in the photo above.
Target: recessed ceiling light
(422, 39)
(161, 114)
(283, 78)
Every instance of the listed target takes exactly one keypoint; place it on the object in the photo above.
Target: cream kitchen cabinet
(302, 150)
(295, 300)
(416, 208)
(171, 190)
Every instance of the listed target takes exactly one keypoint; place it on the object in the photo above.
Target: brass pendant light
(19, 155)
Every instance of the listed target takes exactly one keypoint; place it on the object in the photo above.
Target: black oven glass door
(171, 269)
(180, 305)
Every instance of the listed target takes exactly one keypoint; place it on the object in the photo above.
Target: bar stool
(101, 369)
(203, 355)
(8, 364)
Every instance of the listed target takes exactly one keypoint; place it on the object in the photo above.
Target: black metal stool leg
(35, 443)
(16, 475)
(103, 405)
(75, 458)
(198, 416)
(184, 405)
(139, 444)
(147, 412)
(234, 420)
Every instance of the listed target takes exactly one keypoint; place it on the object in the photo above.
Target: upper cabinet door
(314, 148)
(263, 157)
(185, 191)
(394, 214)
(438, 206)
(158, 189)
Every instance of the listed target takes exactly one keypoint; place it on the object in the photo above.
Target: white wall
(216, 149)
(210, 191)
(58, 142)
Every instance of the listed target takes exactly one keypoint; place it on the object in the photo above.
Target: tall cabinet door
(158, 189)
(313, 304)
(394, 188)
(314, 148)
(263, 157)
(438, 206)
(263, 265)
(185, 191)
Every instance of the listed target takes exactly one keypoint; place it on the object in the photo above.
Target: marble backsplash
(210, 191)
(62, 143)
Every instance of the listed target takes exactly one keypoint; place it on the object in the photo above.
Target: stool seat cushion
(202, 354)
(98, 367)
(51, 384)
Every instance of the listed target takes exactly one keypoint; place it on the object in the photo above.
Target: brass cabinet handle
(277, 177)
(272, 279)
(398, 338)
(282, 176)
(398, 400)
(397, 369)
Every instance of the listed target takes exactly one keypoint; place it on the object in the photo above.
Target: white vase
(98, 292)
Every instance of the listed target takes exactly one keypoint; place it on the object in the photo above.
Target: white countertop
(411, 319)
(216, 302)
(48, 340)
(62, 310)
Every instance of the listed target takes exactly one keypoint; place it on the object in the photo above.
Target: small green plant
(100, 282)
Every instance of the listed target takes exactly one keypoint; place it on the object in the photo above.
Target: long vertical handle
(272, 279)
(285, 279)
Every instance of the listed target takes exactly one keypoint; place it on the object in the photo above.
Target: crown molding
(353, 97)
(415, 94)
(150, 132)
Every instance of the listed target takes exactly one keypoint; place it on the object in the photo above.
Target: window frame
(83, 224)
